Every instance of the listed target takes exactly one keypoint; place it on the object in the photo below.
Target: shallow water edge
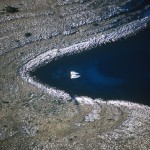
(52, 55)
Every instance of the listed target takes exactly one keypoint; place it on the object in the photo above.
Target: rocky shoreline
(54, 54)
(31, 115)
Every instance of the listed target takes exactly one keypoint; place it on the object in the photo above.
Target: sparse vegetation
(95, 24)
(10, 9)
(32, 119)
(28, 34)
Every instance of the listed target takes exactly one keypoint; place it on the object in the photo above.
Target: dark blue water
(119, 70)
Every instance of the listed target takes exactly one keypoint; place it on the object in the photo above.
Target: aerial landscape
(74, 75)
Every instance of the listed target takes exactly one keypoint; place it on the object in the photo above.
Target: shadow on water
(119, 70)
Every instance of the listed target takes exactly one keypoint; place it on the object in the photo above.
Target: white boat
(74, 75)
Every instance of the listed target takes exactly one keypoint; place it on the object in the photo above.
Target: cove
(118, 71)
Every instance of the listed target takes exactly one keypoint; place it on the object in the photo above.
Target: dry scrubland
(32, 119)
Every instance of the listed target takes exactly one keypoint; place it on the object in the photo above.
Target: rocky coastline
(54, 54)
(36, 117)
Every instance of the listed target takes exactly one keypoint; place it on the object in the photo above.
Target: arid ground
(32, 119)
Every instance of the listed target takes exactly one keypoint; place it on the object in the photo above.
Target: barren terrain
(31, 118)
